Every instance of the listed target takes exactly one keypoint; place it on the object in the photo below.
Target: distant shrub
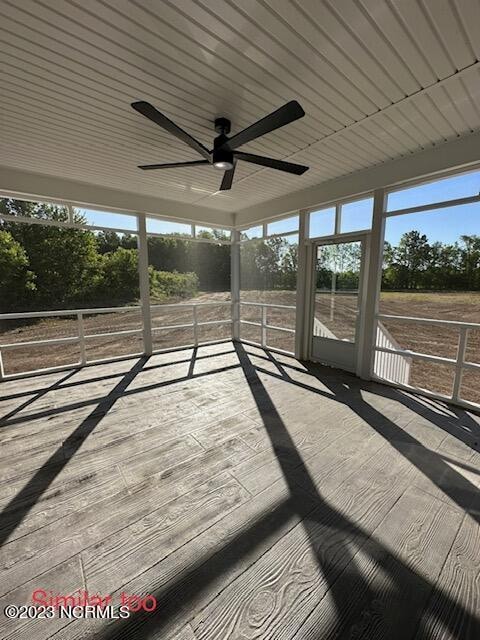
(118, 276)
(171, 284)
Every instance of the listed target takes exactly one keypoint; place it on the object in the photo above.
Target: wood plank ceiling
(378, 79)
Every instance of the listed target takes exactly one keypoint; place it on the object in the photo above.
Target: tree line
(413, 264)
(52, 267)
(417, 264)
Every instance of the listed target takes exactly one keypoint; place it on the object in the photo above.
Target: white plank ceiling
(378, 79)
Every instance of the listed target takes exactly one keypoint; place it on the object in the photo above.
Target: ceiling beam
(17, 183)
(459, 153)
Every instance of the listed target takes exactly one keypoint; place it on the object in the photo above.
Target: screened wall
(70, 285)
(268, 281)
(79, 285)
(76, 262)
(430, 291)
(189, 270)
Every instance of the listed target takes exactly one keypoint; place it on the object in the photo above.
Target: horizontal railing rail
(446, 323)
(213, 303)
(81, 338)
(263, 324)
(267, 304)
(337, 292)
(65, 312)
(459, 363)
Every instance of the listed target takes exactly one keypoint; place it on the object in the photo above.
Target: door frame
(360, 336)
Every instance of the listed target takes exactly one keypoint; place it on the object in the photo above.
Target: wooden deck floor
(254, 497)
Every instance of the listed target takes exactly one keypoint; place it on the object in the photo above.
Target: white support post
(373, 279)
(2, 371)
(235, 283)
(195, 325)
(144, 284)
(264, 326)
(303, 280)
(338, 218)
(462, 347)
(81, 339)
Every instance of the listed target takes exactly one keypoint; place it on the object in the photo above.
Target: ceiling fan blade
(279, 118)
(149, 111)
(281, 165)
(227, 179)
(171, 165)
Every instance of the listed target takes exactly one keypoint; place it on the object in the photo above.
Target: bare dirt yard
(30, 358)
(428, 339)
(432, 340)
(422, 338)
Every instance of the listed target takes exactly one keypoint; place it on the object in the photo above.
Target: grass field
(440, 341)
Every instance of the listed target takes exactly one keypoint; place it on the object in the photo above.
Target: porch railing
(459, 363)
(263, 324)
(82, 338)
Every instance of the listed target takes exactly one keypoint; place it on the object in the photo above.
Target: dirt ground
(428, 339)
(440, 341)
(464, 307)
(97, 348)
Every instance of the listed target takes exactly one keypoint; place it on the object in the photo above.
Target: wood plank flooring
(254, 496)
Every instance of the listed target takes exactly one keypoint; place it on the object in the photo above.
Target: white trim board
(24, 184)
(458, 153)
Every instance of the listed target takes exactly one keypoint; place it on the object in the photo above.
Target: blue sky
(444, 225)
(441, 225)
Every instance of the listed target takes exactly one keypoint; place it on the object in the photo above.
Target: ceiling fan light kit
(224, 156)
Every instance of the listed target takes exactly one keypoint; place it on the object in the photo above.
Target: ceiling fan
(224, 155)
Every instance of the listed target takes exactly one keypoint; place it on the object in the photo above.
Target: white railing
(390, 366)
(458, 363)
(263, 324)
(195, 324)
(82, 338)
(320, 330)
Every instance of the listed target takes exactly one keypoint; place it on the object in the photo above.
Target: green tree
(471, 260)
(17, 282)
(268, 264)
(107, 241)
(118, 280)
(210, 261)
(411, 259)
(65, 260)
(288, 267)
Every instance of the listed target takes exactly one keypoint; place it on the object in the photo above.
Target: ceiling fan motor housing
(222, 158)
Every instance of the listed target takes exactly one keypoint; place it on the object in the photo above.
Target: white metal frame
(92, 227)
(357, 345)
(263, 324)
(459, 364)
(374, 288)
